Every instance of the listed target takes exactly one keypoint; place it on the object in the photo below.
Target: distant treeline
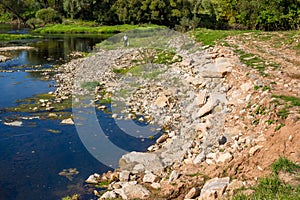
(181, 14)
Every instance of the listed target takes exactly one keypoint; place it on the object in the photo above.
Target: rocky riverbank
(214, 111)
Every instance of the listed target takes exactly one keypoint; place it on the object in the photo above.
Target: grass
(283, 164)
(271, 187)
(9, 37)
(90, 85)
(294, 101)
(212, 37)
(86, 28)
(34, 105)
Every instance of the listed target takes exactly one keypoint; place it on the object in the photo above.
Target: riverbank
(223, 124)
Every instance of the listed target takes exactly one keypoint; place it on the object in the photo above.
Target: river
(33, 155)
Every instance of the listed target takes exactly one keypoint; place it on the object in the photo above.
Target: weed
(295, 101)
(283, 164)
(279, 127)
(256, 87)
(283, 113)
(266, 87)
(270, 121)
(90, 85)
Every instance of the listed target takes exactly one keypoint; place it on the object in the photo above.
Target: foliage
(283, 164)
(48, 15)
(9, 37)
(184, 14)
(294, 101)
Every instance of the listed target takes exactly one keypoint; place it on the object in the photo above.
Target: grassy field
(74, 28)
(9, 37)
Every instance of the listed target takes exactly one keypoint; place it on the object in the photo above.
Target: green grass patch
(212, 37)
(9, 37)
(85, 28)
(279, 127)
(285, 165)
(283, 113)
(295, 101)
(90, 85)
(271, 187)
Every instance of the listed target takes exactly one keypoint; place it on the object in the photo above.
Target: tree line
(182, 14)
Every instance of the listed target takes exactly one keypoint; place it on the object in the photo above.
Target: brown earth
(270, 143)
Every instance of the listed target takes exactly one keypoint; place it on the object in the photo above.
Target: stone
(173, 176)
(194, 192)
(222, 140)
(93, 179)
(155, 185)
(254, 149)
(121, 193)
(214, 188)
(200, 98)
(124, 175)
(162, 138)
(15, 123)
(199, 158)
(150, 161)
(216, 70)
(135, 191)
(209, 106)
(161, 101)
(68, 121)
(149, 178)
(109, 195)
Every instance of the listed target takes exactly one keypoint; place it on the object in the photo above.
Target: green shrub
(48, 15)
(36, 22)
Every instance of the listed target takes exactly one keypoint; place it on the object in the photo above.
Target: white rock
(173, 176)
(149, 178)
(68, 121)
(194, 192)
(155, 185)
(214, 188)
(135, 191)
(15, 123)
(124, 175)
(109, 195)
(93, 179)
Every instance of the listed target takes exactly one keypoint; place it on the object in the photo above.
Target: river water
(31, 156)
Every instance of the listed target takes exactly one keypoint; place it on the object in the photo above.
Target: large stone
(109, 195)
(15, 123)
(68, 121)
(161, 101)
(209, 106)
(93, 179)
(173, 176)
(200, 98)
(124, 175)
(150, 161)
(214, 188)
(194, 192)
(149, 178)
(216, 70)
(199, 158)
(135, 191)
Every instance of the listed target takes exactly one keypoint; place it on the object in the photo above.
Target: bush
(36, 22)
(48, 15)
